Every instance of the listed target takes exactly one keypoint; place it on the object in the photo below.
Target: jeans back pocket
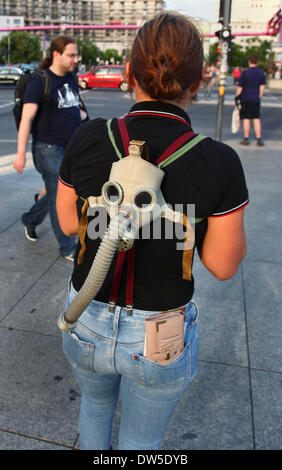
(177, 373)
(79, 353)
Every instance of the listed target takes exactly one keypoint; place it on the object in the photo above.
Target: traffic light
(224, 34)
(218, 34)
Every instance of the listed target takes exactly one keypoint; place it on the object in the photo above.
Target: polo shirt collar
(161, 106)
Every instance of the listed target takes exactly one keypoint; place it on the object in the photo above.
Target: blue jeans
(47, 160)
(105, 351)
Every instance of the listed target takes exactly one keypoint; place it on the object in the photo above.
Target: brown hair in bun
(166, 56)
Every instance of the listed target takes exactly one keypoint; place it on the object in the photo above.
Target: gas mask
(133, 199)
(134, 189)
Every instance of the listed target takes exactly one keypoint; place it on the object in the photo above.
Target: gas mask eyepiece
(112, 193)
(143, 199)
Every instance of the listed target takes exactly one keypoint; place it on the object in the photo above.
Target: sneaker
(245, 142)
(30, 234)
(260, 143)
(69, 257)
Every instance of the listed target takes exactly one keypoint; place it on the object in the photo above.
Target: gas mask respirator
(133, 199)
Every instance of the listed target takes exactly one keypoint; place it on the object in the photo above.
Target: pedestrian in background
(236, 74)
(106, 348)
(250, 88)
(51, 123)
(207, 81)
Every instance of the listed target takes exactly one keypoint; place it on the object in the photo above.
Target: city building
(130, 12)
(56, 13)
(252, 16)
(85, 12)
(10, 22)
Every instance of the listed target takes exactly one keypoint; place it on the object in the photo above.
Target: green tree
(240, 57)
(237, 56)
(262, 49)
(20, 46)
(213, 54)
(89, 52)
(112, 56)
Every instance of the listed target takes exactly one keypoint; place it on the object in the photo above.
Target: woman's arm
(224, 245)
(66, 209)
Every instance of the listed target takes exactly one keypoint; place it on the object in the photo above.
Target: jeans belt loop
(197, 312)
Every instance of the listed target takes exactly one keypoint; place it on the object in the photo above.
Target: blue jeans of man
(105, 351)
(47, 160)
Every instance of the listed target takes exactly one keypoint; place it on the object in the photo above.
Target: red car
(104, 76)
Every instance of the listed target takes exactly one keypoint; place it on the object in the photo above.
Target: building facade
(55, 13)
(85, 12)
(8, 21)
(251, 16)
(125, 12)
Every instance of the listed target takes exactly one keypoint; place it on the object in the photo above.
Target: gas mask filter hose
(98, 272)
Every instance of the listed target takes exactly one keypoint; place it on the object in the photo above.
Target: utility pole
(224, 35)
(9, 48)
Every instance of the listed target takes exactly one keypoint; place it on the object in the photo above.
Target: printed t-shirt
(209, 177)
(56, 120)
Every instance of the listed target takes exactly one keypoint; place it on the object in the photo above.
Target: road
(109, 103)
(235, 402)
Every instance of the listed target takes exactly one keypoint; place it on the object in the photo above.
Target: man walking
(251, 84)
(51, 124)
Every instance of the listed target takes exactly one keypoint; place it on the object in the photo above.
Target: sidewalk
(235, 401)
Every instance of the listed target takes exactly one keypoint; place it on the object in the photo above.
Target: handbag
(164, 336)
(235, 121)
(83, 111)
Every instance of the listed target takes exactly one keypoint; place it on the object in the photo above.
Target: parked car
(104, 76)
(24, 67)
(28, 67)
(10, 74)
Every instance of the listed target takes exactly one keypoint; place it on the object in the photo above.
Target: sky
(205, 9)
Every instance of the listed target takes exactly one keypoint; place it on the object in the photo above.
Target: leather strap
(175, 146)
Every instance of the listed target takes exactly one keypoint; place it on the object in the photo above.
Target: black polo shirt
(209, 177)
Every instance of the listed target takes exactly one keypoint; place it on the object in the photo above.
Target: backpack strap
(178, 153)
(174, 146)
(112, 139)
(46, 104)
(124, 134)
(172, 153)
(47, 83)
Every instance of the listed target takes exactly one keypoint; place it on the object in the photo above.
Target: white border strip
(66, 184)
(147, 111)
(230, 210)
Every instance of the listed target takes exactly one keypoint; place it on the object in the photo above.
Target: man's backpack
(20, 90)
